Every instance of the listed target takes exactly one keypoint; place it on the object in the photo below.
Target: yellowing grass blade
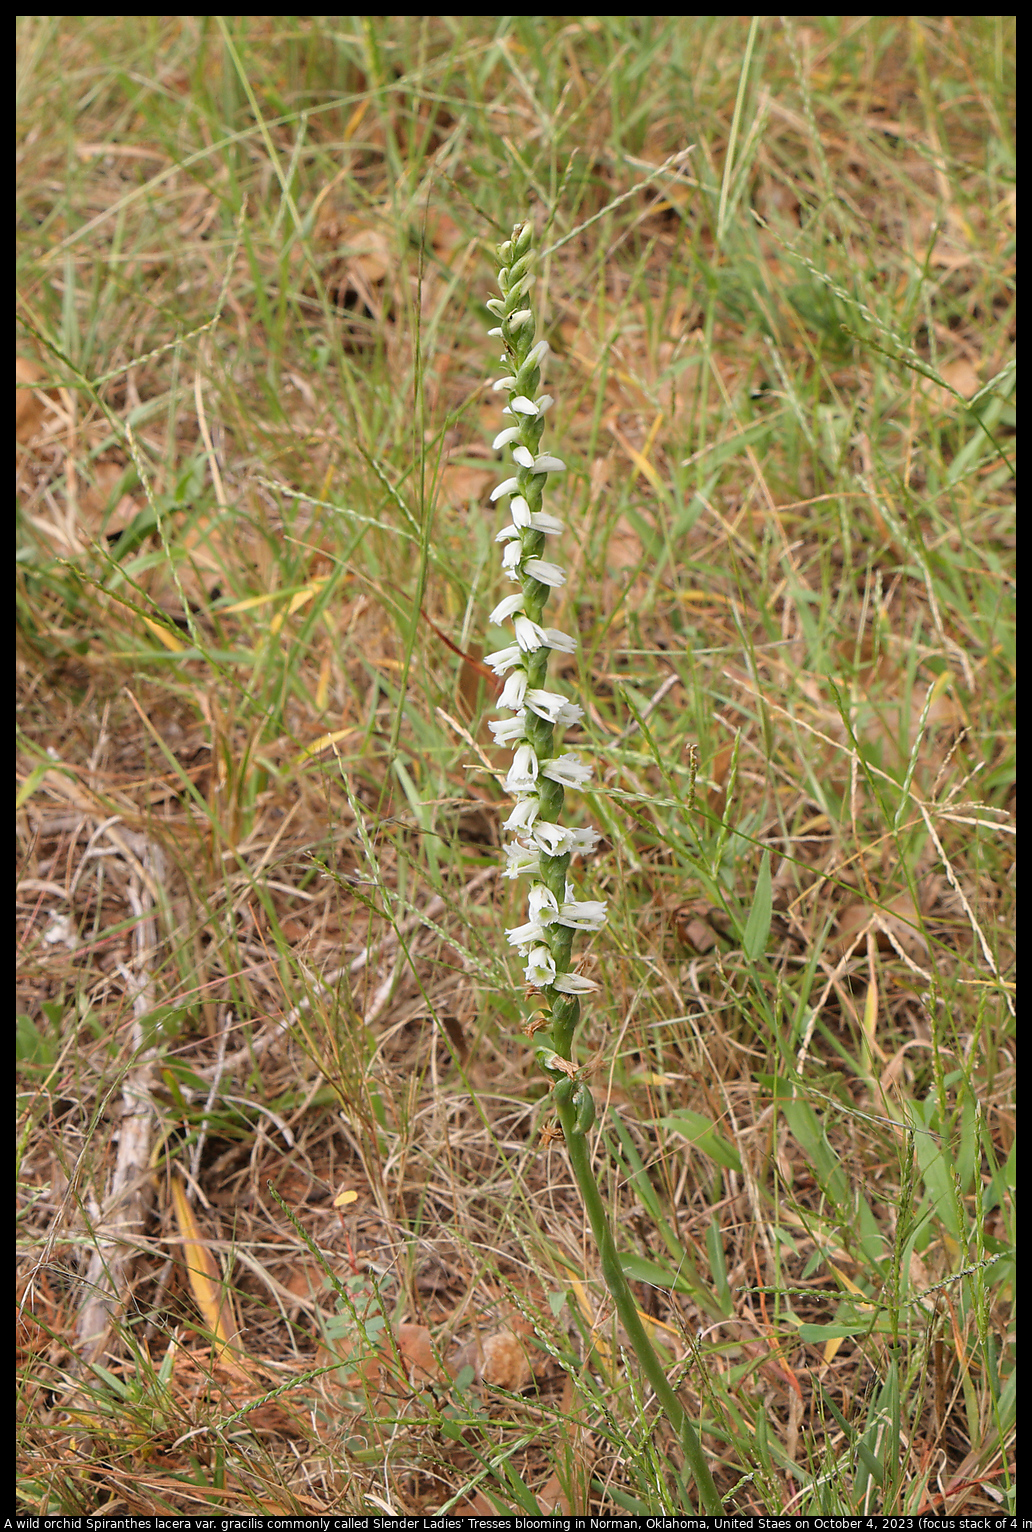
(206, 1281)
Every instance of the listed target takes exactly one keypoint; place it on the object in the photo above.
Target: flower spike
(541, 847)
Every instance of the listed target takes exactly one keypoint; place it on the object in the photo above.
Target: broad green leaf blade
(757, 927)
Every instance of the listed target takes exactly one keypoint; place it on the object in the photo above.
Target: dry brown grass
(290, 1239)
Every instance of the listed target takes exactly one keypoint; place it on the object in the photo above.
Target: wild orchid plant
(541, 847)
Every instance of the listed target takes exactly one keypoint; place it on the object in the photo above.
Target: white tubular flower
(514, 691)
(583, 914)
(522, 516)
(542, 904)
(507, 730)
(568, 771)
(537, 773)
(553, 707)
(573, 984)
(530, 636)
(504, 659)
(506, 608)
(523, 815)
(523, 772)
(518, 860)
(540, 969)
(547, 524)
(585, 841)
(526, 936)
(556, 840)
(548, 574)
(561, 641)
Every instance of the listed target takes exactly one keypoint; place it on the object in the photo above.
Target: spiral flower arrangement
(541, 846)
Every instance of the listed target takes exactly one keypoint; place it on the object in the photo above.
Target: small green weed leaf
(757, 927)
(522, 1492)
(864, 1452)
(1008, 1402)
(808, 1132)
(635, 1171)
(31, 1046)
(816, 1335)
(119, 1388)
(779, 1087)
(31, 783)
(718, 1266)
(935, 1168)
(629, 1503)
(641, 1270)
(702, 1135)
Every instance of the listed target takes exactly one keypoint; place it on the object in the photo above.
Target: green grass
(259, 826)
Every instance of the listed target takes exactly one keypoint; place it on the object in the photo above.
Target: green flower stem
(578, 1148)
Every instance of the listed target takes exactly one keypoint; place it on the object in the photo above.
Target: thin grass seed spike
(541, 847)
